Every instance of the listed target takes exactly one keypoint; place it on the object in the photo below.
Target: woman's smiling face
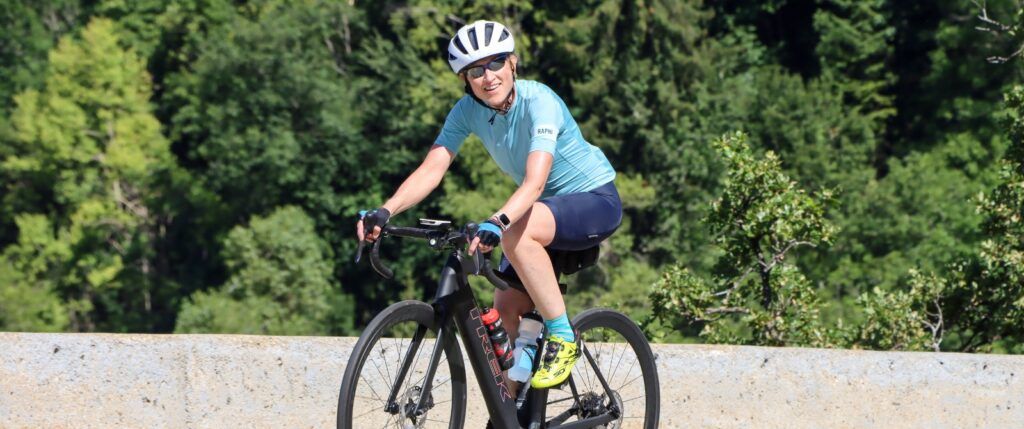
(492, 86)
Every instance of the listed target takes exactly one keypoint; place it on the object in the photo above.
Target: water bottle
(499, 338)
(530, 329)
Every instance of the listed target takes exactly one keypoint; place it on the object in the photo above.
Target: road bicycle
(407, 368)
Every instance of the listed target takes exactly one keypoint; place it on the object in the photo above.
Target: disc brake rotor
(592, 404)
(411, 398)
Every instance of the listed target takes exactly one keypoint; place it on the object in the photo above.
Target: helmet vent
(472, 39)
(504, 35)
(460, 47)
(488, 30)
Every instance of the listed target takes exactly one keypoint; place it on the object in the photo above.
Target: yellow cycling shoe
(559, 358)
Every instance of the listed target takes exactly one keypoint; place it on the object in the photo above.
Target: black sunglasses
(493, 65)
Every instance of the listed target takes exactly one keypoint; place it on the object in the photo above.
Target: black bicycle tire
(623, 325)
(404, 311)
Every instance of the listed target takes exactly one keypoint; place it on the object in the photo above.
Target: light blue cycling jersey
(538, 120)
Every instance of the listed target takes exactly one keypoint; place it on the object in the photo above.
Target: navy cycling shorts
(582, 219)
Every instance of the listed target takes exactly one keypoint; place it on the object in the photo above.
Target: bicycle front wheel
(385, 377)
(617, 373)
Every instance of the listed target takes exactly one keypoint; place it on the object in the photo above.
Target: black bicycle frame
(455, 301)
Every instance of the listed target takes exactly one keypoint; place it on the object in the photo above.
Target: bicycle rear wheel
(616, 357)
(387, 345)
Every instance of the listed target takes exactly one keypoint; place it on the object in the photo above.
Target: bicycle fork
(421, 406)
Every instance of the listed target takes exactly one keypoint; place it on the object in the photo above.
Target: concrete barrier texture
(223, 381)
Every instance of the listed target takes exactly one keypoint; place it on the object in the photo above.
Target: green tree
(88, 153)
(897, 320)
(280, 108)
(169, 35)
(280, 283)
(944, 84)
(855, 49)
(28, 30)
(918, 216)
(268, 115)
(757, 297)
(30, 271)
(1003, 249)
(983, 294)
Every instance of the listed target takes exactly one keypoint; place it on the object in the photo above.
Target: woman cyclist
(566, 199)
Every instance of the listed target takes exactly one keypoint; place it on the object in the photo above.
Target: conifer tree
(87, 152)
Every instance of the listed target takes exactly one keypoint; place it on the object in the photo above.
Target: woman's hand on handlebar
(369, 225)
(487, 236)
(473, 245)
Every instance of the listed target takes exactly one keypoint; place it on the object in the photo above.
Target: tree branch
(334, 54)
(347, 35)
(996, 28)
(735, 285)
(983, 17)
(128, 202)
(995, 59)
(779, 257)
(937, 327)
(727, 310)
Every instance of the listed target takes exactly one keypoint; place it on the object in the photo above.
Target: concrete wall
(214, 381)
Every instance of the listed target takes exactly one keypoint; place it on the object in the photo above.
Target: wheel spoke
(626, 376)
(561, 400)
(372, 390)
(609, 361)
(621, 356)
(370, 399)
(387, 367)
(633, 399)
(586, 370)
(382, 372)
(595, 387)
(630, 382)
(387, 380)
(444, 359)
(440, 384)
(364, 414)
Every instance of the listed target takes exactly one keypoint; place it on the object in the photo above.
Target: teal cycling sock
(559, 327)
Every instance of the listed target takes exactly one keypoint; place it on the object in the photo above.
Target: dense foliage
(834, 173)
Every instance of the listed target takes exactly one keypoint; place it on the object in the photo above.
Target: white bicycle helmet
(478, 40)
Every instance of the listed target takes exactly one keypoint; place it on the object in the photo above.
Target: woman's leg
(523, 245)
(511, 304)
(583, 220)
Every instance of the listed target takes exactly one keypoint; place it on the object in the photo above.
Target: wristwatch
(502, 220)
